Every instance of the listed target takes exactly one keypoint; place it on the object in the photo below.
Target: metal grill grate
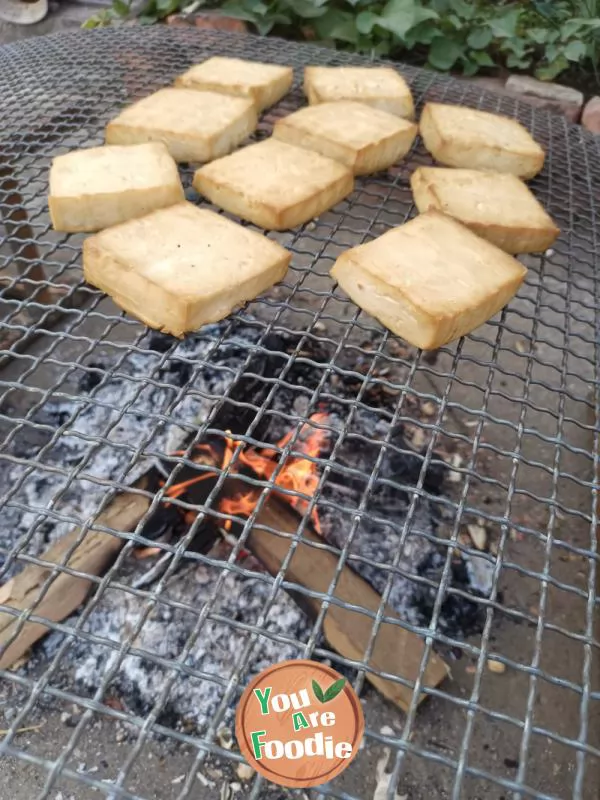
(520, 398)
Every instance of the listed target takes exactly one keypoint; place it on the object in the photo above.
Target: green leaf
(539, 35)
(337, 25)
(482, 59)
(121, 7)
(308, 9)
(366, 21)
(233, 8)
(423, 33)
(318, 692)
(575, 51)
(399, 16)
(469, 67)
(444, 53)
(479, 38)
(517, 62)
(334, 689)
(462, 8)
(547, 72)
(579, 26)
(505, 25)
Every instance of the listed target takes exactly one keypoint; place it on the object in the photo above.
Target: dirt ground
(495, 746)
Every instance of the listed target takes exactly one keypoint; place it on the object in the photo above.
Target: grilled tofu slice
(195, 126)
(497, 206)
(380, 87)
(274, 184)
(264, 84)
(103, 186)
(363, 138)
(182, 267)
(465, 137)
(429, 281)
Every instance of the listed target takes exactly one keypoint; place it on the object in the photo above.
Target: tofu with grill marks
(497, 206)
(182, 267)
(380, 87)
(466, 137)
(103, 186)
(264, 84)
(274, 184)
(195, 126)
(363, 138)
(429, 281)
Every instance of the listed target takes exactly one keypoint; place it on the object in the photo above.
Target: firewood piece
(66, 592)
(396, 651)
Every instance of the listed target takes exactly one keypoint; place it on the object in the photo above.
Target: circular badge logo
(299, 723)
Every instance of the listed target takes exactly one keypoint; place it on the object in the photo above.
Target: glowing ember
(297, 474)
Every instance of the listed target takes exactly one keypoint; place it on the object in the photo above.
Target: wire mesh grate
(129, 702)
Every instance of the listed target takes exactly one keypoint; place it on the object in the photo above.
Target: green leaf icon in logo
(331, 693)
(318, 692)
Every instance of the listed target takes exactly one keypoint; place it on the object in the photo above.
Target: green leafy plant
(330, 693)
(545, 37)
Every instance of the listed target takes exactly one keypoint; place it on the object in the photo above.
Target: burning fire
(297, 473)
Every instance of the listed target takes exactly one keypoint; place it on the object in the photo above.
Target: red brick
(590, 118)
(209, 21)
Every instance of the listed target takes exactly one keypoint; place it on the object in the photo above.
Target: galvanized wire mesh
(520, 397)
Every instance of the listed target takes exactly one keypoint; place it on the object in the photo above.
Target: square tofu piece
(182, 267)
(494, 205)
(265, 84)
(380, 87)
(363, 138)
(102, 186)
(429, 281)
(195, 126)
(465, 137)
(274, 184)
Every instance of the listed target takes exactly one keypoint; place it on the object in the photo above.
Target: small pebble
(311, 226)
(385, 730)
(429, 408)
(65, 718)
(496, 666)
(81, 767)
(226, 792)
(204, 780)
(91, 770)
(244, 772)
(235, 787)
(179, 779)
(478, 535)
(214, 772)
(120, 735)
(225, 738)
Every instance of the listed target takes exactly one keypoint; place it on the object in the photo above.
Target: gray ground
(440, 725)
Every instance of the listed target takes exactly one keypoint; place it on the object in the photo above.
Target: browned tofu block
(274, 184)
(429, 281)
(363, 138)
(465, 137)
(102, 186)
(195, 126)
(495, 205)
(380, 87)
(265, 84)
(182, 267)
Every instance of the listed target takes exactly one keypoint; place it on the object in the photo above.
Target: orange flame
(297, 473)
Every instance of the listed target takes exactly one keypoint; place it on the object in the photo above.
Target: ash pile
(122, 418)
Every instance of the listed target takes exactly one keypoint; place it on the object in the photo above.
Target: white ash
(97, 419)
(138, 682)
(192, 700)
